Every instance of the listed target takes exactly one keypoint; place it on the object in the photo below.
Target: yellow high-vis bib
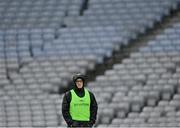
(80, 106)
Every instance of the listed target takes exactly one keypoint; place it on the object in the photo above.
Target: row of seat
(33, 13)
(105, 11)
(38, 110)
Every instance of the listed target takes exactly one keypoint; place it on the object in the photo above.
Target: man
(79, 106)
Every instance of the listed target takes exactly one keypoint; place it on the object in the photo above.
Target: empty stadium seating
(145, 85)
(44, 42)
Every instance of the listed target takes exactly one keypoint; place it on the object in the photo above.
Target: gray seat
(12, 124)
(163, 103)
(139, 121)
(168, 90)
(137, 104)
(153, 97)
(133, 115)
(25, 124)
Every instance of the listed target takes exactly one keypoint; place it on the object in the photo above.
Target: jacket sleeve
(93, 109)
(65, 108)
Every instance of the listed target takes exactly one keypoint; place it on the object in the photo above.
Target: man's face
(79, 83)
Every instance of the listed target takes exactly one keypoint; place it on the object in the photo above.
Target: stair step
(134, 45)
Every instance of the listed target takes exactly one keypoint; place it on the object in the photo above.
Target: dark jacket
(66, 113)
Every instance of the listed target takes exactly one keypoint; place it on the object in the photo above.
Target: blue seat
(157, 49)
(170, 48)
(145, 49)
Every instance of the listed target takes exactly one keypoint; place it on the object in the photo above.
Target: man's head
(79, 80)
(79, 83)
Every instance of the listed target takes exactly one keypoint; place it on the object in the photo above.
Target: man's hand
(75, 124)
(90, 124)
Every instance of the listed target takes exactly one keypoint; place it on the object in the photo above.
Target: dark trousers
(81, 124)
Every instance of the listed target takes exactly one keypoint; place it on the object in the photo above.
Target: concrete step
(135, 45)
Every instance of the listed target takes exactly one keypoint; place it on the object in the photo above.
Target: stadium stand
(44, 42)
(143, 89)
